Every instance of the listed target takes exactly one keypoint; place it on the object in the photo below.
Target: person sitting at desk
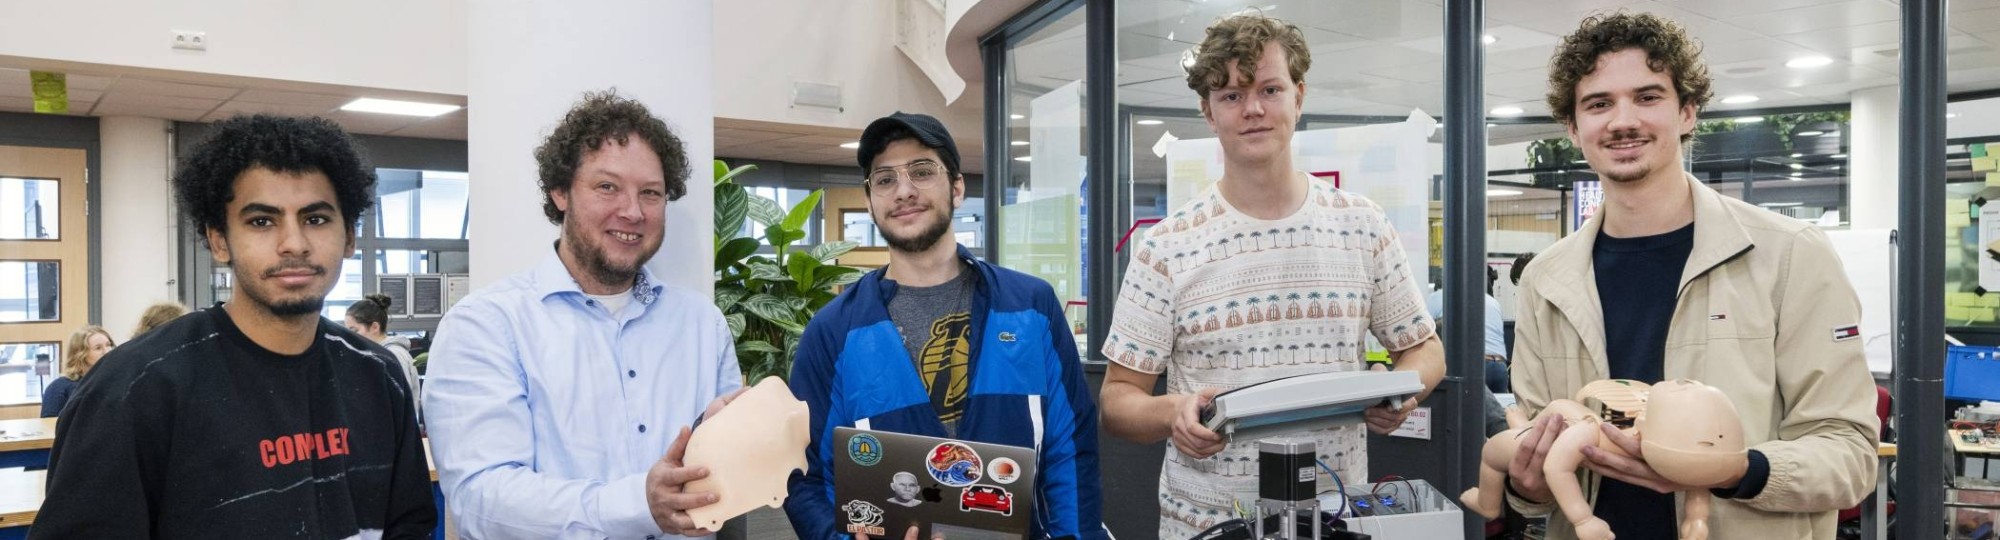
(85, 347)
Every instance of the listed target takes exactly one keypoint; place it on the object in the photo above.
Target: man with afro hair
(258, 418)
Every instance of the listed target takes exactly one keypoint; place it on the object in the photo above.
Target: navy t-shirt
(1638, 284)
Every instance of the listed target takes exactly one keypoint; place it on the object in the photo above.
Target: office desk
(21, 497)
(1975, 460)
(26, 442)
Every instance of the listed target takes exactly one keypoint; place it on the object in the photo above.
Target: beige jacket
(1760, 305)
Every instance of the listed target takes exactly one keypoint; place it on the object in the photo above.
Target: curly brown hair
(1668, 49)
(1241, 38)
(597, 118)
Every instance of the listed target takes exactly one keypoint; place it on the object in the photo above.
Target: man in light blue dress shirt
(560, 399)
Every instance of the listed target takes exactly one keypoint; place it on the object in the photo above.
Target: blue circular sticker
(864, 449)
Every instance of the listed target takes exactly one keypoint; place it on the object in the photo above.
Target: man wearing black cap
(904, 349)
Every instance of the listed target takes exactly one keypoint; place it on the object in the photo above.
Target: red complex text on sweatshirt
(291, 449)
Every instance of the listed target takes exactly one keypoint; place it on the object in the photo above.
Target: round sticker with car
(1003, 470)
(954, 464)
(864, 449)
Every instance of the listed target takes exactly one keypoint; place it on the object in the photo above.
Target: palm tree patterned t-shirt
(1217, 298)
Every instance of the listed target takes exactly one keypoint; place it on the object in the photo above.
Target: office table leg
(1875, 509)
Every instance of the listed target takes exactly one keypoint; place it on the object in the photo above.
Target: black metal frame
(1920, 347)
(1465, 248)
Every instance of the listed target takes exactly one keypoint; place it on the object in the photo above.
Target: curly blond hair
(1668, 48)
(1241, 38)
(77, 350)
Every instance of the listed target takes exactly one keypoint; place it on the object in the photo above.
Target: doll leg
(1485, 499)
(1694, 515)
(1559, 471)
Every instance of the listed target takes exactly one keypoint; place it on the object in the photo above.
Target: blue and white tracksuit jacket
(1027, 389)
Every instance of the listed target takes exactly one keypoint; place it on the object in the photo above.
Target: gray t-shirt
(936, 323)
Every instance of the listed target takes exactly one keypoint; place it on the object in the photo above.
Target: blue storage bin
(1972, 373)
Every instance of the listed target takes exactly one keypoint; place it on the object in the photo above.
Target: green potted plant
(768, 297)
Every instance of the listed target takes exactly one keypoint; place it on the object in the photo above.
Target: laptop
(884, 482)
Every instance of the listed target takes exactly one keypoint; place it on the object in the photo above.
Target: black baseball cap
(928, 130)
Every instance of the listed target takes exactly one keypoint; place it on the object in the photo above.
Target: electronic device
(1306, 402)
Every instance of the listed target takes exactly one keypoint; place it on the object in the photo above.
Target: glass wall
(1043, 181)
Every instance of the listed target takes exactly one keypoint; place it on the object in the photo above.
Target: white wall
(138, 240)
(530, 61)
(388, 44)
(765, 45)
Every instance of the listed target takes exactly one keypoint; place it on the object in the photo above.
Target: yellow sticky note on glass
(1957, 220)
(1961, 299)
(1993, 179)
(1954, 313)
(1957, 206)
(1981, 315)
(1990, 300)
(1988, 163)
(51, 91)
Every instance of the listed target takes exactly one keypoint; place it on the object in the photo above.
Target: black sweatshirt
(194, 431)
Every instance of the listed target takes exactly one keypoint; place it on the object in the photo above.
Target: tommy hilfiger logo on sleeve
(1845, 333)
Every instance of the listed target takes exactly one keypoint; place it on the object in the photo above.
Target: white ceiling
(815, 144)
(193, 97)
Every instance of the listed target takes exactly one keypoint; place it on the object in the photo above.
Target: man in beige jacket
(1672, 280)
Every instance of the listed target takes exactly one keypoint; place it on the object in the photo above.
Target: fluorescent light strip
(405, 108)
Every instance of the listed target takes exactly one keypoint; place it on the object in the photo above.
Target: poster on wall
(1384, 162)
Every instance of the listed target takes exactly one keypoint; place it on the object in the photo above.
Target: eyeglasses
(922, 175)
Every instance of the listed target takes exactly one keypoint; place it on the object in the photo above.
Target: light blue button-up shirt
(546, 410)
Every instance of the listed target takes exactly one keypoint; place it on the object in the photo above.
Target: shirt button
(633, 373)
(642, 428)
(590, 302)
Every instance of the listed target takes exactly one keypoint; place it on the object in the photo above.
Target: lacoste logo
(1006, 337)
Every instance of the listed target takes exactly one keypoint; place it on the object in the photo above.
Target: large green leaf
(769, 308)
(727, 296)
(790, 327)
(725, 174)
(731, 203)
(796, 220)
(801, 270)
(736, 322)
(780, 236)
(734, 251)
(829, 251)
(764, 211)
(828, 277)
(764, 270)
(756, 346)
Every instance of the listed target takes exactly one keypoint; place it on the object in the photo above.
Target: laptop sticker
(1004, 470)
(986, 499)
(864, 518)
(954, 464)
(864, 449)
(904, 486)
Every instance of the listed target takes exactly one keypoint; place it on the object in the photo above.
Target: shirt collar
(552, 278)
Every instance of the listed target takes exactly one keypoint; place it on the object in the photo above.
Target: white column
(139, 242)
(529, 61)
(1871, 159)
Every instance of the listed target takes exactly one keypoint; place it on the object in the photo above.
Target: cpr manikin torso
(1688, 432)
(750, 449)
